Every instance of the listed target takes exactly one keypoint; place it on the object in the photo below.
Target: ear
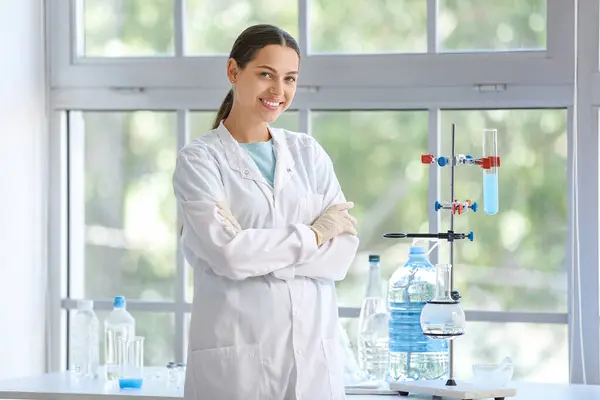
(232, 70)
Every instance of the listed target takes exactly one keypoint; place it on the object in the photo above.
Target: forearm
(332, 261)
(247, 253)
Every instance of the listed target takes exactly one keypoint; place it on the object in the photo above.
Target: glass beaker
(131, 371)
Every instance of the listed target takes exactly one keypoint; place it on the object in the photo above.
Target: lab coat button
(246, 172)
(289, 170)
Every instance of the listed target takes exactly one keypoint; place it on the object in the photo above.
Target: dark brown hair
(244, 50)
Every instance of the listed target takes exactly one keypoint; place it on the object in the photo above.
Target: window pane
(492, 25)
(517, 260)
(158, 330)
(211, 26)
(368, 26)
(125, 231)
(539, 352)
(200, 122)
(377, 159)
(126, 28)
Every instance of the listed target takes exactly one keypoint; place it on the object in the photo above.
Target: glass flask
(442, 317)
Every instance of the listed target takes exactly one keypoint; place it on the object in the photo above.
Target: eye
(265, 74)
(291, 79)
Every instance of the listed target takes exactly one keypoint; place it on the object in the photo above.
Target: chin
(271, 117)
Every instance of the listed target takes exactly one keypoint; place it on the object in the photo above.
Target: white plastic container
(84, 341)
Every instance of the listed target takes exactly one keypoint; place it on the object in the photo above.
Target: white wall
(22, 188)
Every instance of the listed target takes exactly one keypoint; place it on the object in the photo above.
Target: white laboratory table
(61, 386)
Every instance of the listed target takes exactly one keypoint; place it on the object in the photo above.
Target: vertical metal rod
(451, 213)
(450, 345)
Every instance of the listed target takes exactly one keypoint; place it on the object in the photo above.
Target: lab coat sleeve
(198, 187)
(333, 258)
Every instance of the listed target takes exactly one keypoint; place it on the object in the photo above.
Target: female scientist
(267, 231)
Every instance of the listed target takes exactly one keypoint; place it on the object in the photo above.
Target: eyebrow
(274, 71)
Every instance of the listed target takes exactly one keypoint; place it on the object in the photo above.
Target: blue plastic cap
(417, 250)
(119, 302)
(471, 236)
(374, 258)
(442, 161)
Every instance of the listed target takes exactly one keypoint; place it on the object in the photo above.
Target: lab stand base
(462, 390)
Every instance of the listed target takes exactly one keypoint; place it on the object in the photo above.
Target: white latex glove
(223, 211)
(334, 221)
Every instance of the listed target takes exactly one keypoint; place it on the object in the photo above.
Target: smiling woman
(267, 232)
(262, 68)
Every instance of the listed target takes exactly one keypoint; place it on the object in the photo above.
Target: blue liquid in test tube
(490, 174)
(490, 193)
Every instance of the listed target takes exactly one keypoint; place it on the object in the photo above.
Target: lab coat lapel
(284, 164)
(239, 160)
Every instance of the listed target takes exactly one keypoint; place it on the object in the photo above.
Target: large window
(381, 83)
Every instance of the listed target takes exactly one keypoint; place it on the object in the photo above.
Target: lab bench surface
(62, 386)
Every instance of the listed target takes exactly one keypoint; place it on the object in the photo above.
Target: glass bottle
(373, 336)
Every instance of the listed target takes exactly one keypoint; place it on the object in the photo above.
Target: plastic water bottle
(373, 350)
(119, 324)
(414, 356)
(85, 341)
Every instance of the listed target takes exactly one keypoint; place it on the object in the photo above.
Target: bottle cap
(374, 258)
(85, 305)
(417, 250)
(119, 302)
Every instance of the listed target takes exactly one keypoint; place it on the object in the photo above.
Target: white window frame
(429, 81)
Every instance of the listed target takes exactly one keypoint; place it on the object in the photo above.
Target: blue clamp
(471, 236)
(442, 161)
(437, 206)
(473, 207)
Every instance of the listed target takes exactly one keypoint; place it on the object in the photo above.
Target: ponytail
(224, 110)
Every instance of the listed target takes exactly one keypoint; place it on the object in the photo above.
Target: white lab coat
(264, 317)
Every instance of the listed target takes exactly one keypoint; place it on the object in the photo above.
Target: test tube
(490, 171)
(132, 364)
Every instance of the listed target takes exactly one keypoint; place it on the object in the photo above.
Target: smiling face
(267, 84)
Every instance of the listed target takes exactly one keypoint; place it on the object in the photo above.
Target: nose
(277, 87)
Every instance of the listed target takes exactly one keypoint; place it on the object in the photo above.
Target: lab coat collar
(240, 161)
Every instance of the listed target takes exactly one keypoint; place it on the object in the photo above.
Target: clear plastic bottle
(373, 350)
(119, 324)
(85, 341)
(414, 356)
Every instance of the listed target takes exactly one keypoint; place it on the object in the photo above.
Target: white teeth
(270, 103)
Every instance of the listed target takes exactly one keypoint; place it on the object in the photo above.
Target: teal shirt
(264, 157)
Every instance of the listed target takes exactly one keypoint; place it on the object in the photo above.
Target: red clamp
(489, 162)
(427, 158)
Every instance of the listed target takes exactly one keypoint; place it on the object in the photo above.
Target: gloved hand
(223, 211)
(334, 221)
